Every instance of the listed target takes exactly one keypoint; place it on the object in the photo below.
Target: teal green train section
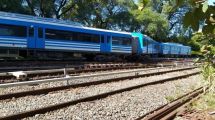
(139, 36)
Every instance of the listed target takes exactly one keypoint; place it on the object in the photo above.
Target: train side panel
(13, 34)
(165, 49)
(121, 44)
(51, 34)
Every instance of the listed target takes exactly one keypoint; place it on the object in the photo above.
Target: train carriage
(151, 46)
(165, 49)
(185, 50)
(146, 45)
(174, 49)
(35, 33)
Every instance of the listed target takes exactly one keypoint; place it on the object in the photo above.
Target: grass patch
(175, 96)
(206, 102)
(170, 98)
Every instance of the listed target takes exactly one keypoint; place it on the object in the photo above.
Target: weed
(205, 102)
(208, 66)
(170, 98)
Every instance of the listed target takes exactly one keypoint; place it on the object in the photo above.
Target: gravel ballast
(32, 102)
(60, 83)
(124, 106)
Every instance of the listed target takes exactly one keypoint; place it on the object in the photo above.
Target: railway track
(81, 84)
(88, 98)
(8, 77)
(168, 111)
(52, 73)
(62, 63)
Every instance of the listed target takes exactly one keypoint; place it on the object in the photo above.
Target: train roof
(176, 44)
(145, 36)
(52, 21)
(170, 43)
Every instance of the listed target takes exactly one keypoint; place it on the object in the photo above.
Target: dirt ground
(196, 115)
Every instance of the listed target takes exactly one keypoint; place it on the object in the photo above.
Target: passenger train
(27, 36)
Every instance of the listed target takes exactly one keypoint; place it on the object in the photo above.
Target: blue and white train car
(174, 49)
(188, 50)
(34, 33)
(185, 50)
(165, 49)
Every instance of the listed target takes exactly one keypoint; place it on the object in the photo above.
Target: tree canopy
(163, 20)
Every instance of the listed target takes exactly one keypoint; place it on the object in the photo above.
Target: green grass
(196, 53)
(175, 96)
(170, 98)
(206, 102)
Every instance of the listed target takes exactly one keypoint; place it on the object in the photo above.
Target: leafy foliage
(202, 15)
(195, 42)
(13, 6)
(208, 52)
(122, 15)
(151, 23)
(48, 8)
(208, 67)
(200, 11)
(107, 14)
(160, 19)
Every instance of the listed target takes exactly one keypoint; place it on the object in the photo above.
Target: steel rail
(69, 70)
(168, 111)
(32, 73)
(85, 99)
(47, 90)
(68, 78)
(54, 73)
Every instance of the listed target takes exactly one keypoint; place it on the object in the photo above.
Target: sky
(210, 2)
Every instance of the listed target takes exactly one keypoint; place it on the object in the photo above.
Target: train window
(13, 30)
(102, 39)
(69, 35)
(88, 37)
(40, 32)
(31, 32)
(145, 42)
(149, 42)
(108, 39)
(121, 41)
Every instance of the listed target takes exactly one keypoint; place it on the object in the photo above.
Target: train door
(135, 45)
(31, 37)
(105, 43)
(109, 43)
(40, 43)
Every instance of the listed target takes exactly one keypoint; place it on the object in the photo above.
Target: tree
(49, 8)
(199, 11)
(108, 14)
(201, 18)
(195, 42)
(15, 6)
(150, 22)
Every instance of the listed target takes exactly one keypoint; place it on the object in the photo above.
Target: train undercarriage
(34, 54)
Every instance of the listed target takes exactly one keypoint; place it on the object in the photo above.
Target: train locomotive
(30, 36)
